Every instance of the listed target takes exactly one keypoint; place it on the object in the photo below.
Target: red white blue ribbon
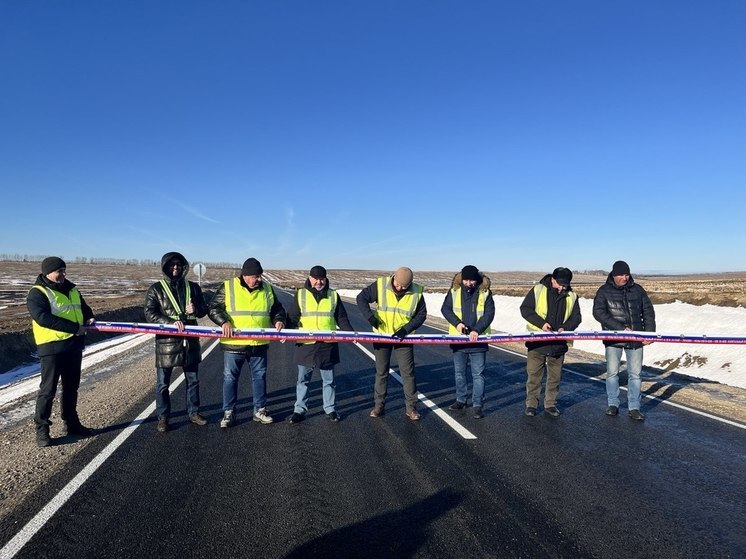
(270, 334)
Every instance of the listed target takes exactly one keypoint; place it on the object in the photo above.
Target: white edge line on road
(452, 423)
(41, 518)
(647, 396)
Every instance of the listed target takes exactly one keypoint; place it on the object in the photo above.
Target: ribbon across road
(270, 334)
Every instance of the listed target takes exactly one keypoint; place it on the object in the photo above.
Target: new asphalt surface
(582, 485)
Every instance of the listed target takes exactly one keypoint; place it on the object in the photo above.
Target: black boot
(77, 428)
(42, 436)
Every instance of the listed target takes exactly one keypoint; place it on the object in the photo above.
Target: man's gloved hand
(374, 321)
(401, 333)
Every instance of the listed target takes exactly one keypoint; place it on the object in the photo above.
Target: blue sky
(508, 135)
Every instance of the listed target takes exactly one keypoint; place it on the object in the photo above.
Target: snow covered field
(721, 363)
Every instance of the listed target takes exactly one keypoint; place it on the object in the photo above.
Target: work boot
(42, 436)
(636, 415)
(377, 411)
(76, 428)
(162, 426)
(296, 417)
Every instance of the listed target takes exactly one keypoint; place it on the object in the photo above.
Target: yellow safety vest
(317, 315)
(540, 295)
(247, 309)
(392, 312)
(67, 307)
(456, 298)
(174, 302)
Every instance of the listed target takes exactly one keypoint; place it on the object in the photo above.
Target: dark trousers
(405, 360)
(65, 366)
(163, 396)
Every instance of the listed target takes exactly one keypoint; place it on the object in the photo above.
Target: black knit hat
(318, 272)
(252, 267)
(52, 264)
(562, 276)
(470, 273)
(620, 268)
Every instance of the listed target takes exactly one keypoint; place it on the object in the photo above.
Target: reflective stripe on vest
(317, 315)
(456, 299)
(67, 307)
(173, 300)
(540, 295)
(392, 312)
(247, 309)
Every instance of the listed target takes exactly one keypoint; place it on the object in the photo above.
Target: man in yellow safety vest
(58, 313)
(317, 307)
(400, 310)
(245, 302)
(550, 306)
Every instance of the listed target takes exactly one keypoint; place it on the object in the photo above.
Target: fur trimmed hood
(484, 285)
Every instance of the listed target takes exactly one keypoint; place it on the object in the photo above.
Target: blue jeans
(162, 396)
(634, 366)
(477, 362)
(328, 389)
(232, 363)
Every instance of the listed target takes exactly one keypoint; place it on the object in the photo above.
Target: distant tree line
(5, 257)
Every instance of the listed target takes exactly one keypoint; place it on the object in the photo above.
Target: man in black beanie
(245, 302)
(622, 304)
(316, 307)
(550, 306)
(469, 309)
(58, 313)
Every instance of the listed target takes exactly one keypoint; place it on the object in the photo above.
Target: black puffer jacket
(619, 308)
(321, 355)
(40, 310)
(174, 351)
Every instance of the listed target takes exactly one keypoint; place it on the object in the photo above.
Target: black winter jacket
(469, 300)
(619, 308)
(220, 316)
(321, 355)
(40, 310)
(556, 309)
(174, 351)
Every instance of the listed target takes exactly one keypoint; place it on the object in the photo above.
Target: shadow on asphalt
(398, 533)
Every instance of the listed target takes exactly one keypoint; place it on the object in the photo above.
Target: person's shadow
(398, 533)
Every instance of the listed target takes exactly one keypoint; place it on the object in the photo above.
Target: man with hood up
(316, 307)
(550, 306)
(400, 310)
(469, 309)
(175, 300)
(622, 304)
(58, 313)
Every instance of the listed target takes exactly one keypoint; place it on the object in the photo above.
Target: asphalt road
(582, 485)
